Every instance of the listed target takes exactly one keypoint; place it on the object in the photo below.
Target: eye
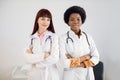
(48, 19)
(71, 19)
(78, 19)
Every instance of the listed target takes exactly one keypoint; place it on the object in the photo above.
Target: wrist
(88, 63)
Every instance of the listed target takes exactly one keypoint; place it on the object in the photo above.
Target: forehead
(75, 15)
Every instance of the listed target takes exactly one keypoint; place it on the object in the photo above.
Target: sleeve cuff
(67, 63)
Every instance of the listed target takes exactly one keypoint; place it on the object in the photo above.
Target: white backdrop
(17, 19)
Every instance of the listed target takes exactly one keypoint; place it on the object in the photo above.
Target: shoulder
(53, 35)
(34, 36)
(63, 36)
(87, 35)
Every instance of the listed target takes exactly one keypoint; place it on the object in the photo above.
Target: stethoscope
(48, 38)
(69, 38)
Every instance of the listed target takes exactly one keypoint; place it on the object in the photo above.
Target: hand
(46, 55)
(88, 63)
(75, 62)
(29, 51)
(69, 56)
(85, 57)
(88, 56)
(82, 65)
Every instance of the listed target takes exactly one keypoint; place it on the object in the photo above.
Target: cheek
(39, 22)
(49, 22)
(80, 23)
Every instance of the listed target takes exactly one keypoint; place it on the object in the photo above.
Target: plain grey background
(17, 19)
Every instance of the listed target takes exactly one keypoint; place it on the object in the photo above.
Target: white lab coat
(77, 48)
(40, 68)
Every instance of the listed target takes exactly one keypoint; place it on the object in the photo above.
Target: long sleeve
(94, 52)
(33, 58)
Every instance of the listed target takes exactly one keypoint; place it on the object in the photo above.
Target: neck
(41, 31)
(78, 32)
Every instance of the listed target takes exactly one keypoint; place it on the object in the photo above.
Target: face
(43, 23)
(75, 22)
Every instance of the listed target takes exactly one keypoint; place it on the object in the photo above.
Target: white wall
(17, 19)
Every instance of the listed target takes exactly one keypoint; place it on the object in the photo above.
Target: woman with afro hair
(78, 52)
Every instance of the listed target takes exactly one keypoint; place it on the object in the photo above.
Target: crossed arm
(83, 61)
(29, 51)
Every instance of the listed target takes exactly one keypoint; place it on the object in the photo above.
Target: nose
(45, 22)
(75, 21)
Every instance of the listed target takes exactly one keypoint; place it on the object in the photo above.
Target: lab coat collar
(47, 33)
(71, 33)
(42, 35)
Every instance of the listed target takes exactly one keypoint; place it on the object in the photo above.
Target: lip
(45, 25)
(75, 25)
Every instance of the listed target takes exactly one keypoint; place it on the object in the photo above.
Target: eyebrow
(75, 17)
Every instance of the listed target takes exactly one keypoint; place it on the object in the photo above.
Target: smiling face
(75, 22)
(43, 23)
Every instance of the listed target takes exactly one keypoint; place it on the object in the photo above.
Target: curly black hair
(74, 9)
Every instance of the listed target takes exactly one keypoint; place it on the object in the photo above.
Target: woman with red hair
(42, 52)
